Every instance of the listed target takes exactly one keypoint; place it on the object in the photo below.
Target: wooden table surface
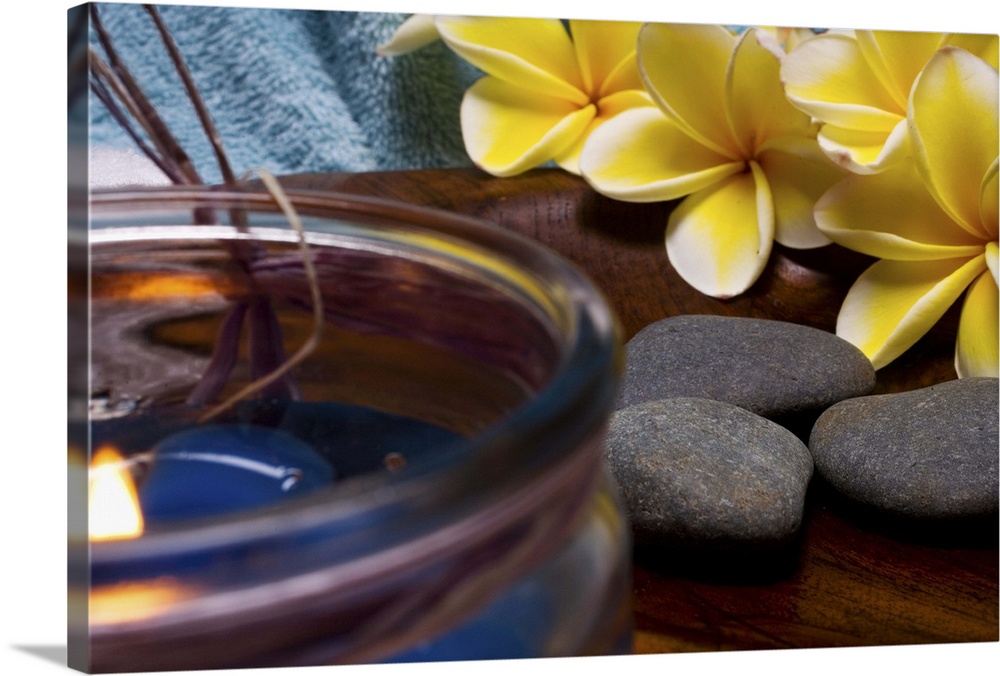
(851, 579)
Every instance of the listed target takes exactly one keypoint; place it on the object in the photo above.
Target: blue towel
(293, 90)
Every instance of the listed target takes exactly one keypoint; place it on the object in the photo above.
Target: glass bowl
(461, 392)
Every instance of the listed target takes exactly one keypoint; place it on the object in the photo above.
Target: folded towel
(293, 90)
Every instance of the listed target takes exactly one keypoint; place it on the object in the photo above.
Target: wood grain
(851, 579)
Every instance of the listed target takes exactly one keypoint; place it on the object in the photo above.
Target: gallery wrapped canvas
(403, 338)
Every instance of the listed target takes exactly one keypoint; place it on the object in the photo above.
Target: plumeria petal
(619, 102)
(758, 109)
(719, 239)
(642, 156)
(625, 76)
(829, 78)
(978, 335)
(607, 108)
(955, 150)
(606, 50)
(988, 201)
(536, 54)
(684, 67)
(891, 215)
(896, 57)
(985, 46)
(893, 303)
(865, 152)
(416, 32)
(507, 131)
(798, 173)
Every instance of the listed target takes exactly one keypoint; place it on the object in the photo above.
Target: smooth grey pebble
(927, 454)
(699, 475)
(773, 368)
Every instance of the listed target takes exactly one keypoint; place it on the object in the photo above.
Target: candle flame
(114, 512)
(127, 602)
(142, 286)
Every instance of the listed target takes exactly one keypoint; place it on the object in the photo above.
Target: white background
(32, 487)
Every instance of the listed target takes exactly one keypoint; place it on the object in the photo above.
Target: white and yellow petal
(684, 67)
(625, 76)
(415, 32)
(976, 350)
(720, 238)
(642, 156)
(535, 54)
(891, 215)
(607, 108)
(829, 78)
(507, 130)
(955, 131)
(896, 57)
(799, 174)
(894, 303)
(757, 107)
(605, 51)
(865, 152)
(984, 45)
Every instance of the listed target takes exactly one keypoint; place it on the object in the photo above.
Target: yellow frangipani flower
(857, 84)
(932, 220)
(545, 90)
(724, 135)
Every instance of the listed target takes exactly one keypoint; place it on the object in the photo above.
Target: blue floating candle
(354, 439)
(216, 469)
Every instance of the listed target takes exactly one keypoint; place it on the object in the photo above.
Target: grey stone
(775, 369)
(701, 475)
(927, 454)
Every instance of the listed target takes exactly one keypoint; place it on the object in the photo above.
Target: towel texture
(293, 90)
